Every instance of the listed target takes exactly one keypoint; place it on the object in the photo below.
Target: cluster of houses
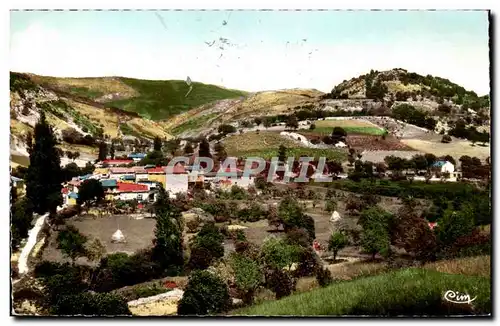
(141, 182)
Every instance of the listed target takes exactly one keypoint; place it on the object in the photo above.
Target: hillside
(152, 99)
(65, 111)
(374, 93)
(258, 104)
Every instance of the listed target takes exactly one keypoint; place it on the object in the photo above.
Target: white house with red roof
(130, 191)
(233, 176)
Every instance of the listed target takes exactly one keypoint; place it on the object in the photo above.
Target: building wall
(448, 167)
(176, 183)
(158, 178)
(101, 171)
(131, 195)
(141, 176)
(71, 201)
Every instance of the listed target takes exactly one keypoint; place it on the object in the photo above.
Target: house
(130, 191)
(176, 180)
(71, 198)
(157, 174)
(141, 174)
(233, 177)
(17, 183)
(136, 156)
(109, 184)
(118, 173)
(443, 167)
(340, 145)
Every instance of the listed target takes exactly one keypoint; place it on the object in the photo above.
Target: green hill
(152, 99)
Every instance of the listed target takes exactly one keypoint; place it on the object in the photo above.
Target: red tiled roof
(432, 225)
(177, 169)
(64, 190)
(131, 187)
(74, 182)
(109, 161)
(158, 170)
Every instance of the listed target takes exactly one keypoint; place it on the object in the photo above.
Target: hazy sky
(264, 49)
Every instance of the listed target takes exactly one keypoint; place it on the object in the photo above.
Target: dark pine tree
(103, 151)
(112, 151)
(168, 233)
(44, 176)
(157, 144)
(204, 149)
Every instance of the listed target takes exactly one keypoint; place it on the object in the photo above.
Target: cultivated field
(266, 144)
(376, 143)
(456, 148)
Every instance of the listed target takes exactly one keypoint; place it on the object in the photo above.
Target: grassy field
(351, 126)
(266, 144)
(455, 148)
(408, 291)
(160, 99)
(475, 266)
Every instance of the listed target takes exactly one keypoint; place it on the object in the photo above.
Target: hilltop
(151, 99)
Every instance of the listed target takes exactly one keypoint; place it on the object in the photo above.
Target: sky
(252, 50)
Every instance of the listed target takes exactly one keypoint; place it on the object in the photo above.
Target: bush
(309, 262)
(200, 258)
(91, 304)
(205, 294)
(324, 276)
(280, 282)
(248, 276)
(193, 225)
(446, 139)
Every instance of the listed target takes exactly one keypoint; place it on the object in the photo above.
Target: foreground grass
(409, 291)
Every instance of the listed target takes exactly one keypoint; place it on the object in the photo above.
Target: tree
(312, 126)
(103, 151)
(420, 162)
(431, 159)
(257, 121)
(292, 122)
(330, 205)
(90, 193)
(168, 233)
(282, 153)
(71, 242)
(339, 134)
(338, 241)
(204, 149)
(94, 250)
(210, 239)
(266, 123)
(188, 148)
(292, 215)
(376, 224)
(21, 216)
(220, 151)
(70, 171)
(279, 254)
(112, 151)
(455, 224)
(44, 175)
(248, 276)
(157, 144)
(205, 294)
(225, 129)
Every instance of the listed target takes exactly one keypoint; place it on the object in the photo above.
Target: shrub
(200, 258)
(308, 263)
(91, 304)
(324, 276)
(205, 294)
(280, 282)
(446, 139)
(193, 225)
